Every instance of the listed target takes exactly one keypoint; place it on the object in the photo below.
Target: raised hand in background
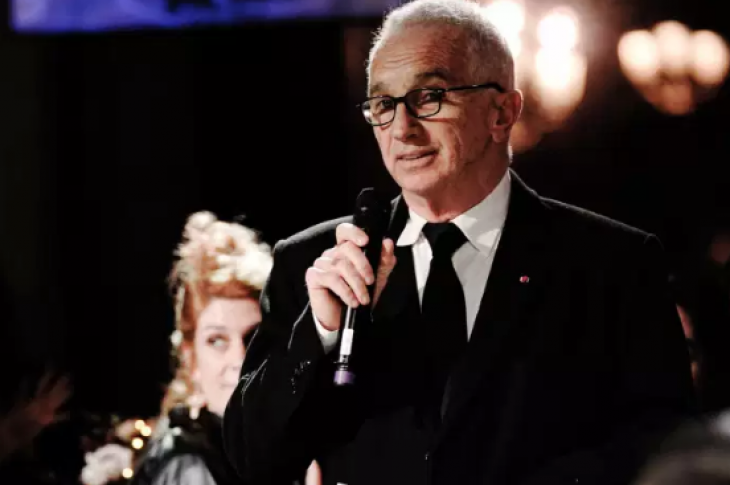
(37, 406)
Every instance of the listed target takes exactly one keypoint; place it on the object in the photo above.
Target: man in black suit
(514, 339)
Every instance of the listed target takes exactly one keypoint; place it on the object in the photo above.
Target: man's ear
(506, 114)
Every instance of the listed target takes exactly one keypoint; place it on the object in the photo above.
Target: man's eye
(384, 104)
(426, 97)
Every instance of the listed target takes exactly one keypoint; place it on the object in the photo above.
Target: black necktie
(444, 313)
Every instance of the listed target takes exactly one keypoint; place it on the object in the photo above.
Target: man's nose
(404, 124)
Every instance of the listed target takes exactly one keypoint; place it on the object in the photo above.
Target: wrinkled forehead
(417, 57)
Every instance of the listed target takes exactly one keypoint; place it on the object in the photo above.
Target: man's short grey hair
(487, 49)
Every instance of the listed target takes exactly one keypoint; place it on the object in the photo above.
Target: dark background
(109, 141)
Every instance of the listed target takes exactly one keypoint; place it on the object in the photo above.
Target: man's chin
(422, 186)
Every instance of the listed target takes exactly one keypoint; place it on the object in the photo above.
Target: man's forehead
(417, 55)
(386, 80)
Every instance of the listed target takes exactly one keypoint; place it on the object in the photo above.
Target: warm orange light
(638, 55)
(673, 41)
(710, 58)
(558, 30)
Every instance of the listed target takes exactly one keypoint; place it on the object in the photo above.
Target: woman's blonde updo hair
(215, 259)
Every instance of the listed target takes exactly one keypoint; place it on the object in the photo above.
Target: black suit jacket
(575, 369)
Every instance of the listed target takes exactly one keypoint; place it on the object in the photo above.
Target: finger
(61, 417)
(357, 258)
(347, 271)
(314, 475)
(387, 263)
(42, 391)
(49, 375)
(338, 286)
(47, 381)
(62, 390)
(350, 232)
(324, 263)
(42, 383)
(318, 279)
(61, 381)
(354, 279)
(348, 250)
(327, 260)
(387, 256)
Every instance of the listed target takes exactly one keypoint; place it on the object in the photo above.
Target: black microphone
(372, 215)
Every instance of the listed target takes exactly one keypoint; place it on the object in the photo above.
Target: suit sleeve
(654, 393)
(280, 415)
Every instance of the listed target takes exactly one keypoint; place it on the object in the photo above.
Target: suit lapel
(515, 280)
(400, 292)
(395, 325)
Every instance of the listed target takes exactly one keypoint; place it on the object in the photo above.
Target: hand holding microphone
(343, 276)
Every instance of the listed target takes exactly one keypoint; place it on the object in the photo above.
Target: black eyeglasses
(420, 103)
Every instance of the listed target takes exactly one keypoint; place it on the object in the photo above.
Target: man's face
(429, 155)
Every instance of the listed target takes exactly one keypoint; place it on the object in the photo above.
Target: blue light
(100, 15)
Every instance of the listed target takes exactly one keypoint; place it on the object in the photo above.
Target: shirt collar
(481, 224)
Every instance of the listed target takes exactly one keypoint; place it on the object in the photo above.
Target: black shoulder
(317, 235)
(577, 226)
(583, 241)
(298, 252)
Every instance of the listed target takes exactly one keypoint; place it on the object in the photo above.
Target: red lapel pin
(524, 279)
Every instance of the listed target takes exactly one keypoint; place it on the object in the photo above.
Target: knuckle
(343, 287)
(363, 263)
(323, 262)
(343, 230)
(333, 279)
(353, 251)
(343, 291)
(311, 275)
(345, 265)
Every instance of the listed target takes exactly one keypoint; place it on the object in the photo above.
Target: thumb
(387, 263)
(314, 475)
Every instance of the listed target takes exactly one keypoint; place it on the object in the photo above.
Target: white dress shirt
(482, 225)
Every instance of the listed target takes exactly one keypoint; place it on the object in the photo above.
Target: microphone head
(372, 209)
(372, 215)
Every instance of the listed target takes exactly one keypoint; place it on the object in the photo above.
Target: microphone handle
(372, 215)
(344, 375)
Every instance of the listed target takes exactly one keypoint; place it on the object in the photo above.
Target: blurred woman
(217, 279)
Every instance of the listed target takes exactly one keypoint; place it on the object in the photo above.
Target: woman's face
(219, 349)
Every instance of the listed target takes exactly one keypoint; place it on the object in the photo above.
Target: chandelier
(550, 67)
(672, 67)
